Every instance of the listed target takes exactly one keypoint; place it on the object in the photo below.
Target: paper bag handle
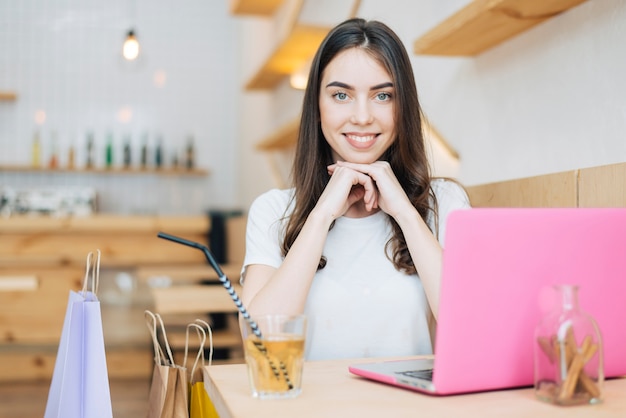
(208, 330)
(95, 274)
(151, 323)
(202, 337)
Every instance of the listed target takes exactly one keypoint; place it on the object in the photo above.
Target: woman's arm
(425, 250)
(285, 289)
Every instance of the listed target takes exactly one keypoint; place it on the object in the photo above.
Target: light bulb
(130, 50)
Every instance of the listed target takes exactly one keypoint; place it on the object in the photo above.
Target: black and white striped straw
(235, 297)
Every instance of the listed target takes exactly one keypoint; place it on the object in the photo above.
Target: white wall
(551, 99)
(64, 57)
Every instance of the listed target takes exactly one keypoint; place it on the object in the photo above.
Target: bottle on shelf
(127, 153)
(109, 151)
(53, 162)
(71, 155)
(190, 154)
(90, 160)
(158, 153)
(36, 151)
(144, 152)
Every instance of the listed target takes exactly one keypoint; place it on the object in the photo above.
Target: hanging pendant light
(130, 50)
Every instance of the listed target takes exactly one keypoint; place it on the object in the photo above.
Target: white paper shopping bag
(80, 382)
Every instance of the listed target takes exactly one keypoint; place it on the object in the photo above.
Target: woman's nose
(362, 114)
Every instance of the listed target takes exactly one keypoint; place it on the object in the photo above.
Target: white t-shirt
(359, 305)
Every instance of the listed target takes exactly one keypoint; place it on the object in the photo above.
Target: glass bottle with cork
(569, 367)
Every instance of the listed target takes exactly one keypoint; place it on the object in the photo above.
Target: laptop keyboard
(418, 374)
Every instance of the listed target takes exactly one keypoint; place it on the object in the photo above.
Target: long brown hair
(407, 155)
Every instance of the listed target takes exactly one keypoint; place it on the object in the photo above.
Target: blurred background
(184, 126)
(549, 99)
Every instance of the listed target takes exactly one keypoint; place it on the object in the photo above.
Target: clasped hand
(374, 184)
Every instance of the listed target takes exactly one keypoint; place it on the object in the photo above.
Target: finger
(371, 192)
(355, 194)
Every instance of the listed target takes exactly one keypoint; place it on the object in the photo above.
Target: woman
(355, 244)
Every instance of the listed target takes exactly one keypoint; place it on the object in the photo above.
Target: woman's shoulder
(450, 191)
(447, 186)
(275, 200)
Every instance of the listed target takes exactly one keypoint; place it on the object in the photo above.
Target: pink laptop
(498, 271)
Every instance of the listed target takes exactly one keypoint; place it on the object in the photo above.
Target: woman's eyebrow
(349, 87)
(339, 84)
(382, 85)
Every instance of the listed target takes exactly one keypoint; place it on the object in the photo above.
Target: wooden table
(329, 390)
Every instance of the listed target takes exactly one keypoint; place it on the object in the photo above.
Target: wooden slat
(36, 316)
(186, 273)
(255, 7)
(110, 223)
(294, 52)
(123, 240)
(602, 186)
(34, 224)
(118, 250)
(130, 362)
(27, 364)
(193, 299)
(550, 190)
(18, 283)
(285, 137)
(106, 223)
(184, 224)
(236, 242)
(483, 24)
(221, 339)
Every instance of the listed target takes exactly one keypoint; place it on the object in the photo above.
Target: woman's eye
(341, 96)
(383, 96)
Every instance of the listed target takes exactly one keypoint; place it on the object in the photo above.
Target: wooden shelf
(254, 7)
(483, 24)
(290, 56)
(7, 96)
(285, 137)
(109, 171)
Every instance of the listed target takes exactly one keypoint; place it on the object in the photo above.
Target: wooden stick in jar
(551, 348)
(575, 368)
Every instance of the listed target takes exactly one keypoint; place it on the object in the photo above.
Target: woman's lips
(361, 140)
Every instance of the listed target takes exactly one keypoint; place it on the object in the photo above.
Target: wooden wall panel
(550, 190)
(123, 241)
(28, 364)
(36, 316)
(48, 256)
(603, 186)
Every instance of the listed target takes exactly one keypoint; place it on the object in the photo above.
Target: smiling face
(357, 99)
